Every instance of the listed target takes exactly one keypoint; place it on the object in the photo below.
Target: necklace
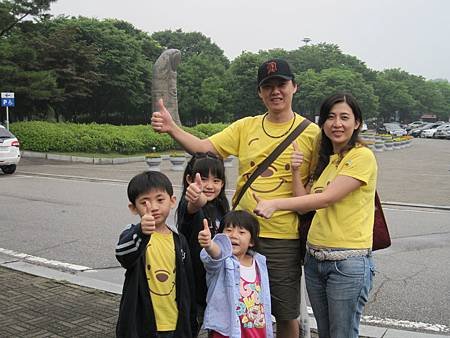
(279, 136)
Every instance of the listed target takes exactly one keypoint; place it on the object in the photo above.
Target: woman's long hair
(326, 147)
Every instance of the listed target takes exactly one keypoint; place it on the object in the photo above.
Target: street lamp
(306, 41)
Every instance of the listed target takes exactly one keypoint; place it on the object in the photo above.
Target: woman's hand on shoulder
(264, 208)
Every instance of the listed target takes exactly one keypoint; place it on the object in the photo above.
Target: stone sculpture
(164, 82)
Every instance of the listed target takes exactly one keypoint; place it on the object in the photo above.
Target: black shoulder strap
(269, 159)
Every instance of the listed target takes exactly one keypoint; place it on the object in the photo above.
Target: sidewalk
(36, 306)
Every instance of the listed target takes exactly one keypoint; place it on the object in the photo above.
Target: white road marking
(405, 324)
(44, 261)
(436, 212)
(89, 179)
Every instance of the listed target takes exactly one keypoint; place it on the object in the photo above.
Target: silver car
(394, 129)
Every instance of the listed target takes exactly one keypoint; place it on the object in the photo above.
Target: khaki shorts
(283, 263)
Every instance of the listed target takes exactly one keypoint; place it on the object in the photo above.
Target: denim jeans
(338, 291)
(165, 334)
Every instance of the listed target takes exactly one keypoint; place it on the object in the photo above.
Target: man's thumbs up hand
(161, 120)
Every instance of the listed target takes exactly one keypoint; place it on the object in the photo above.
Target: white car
(428, 133)
(442, 131)
(9, 151)
(431, 132)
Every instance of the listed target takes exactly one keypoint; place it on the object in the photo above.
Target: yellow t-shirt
(247, 140)
(347, 223)
(160, 269)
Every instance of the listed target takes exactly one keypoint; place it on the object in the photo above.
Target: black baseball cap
(274, 68)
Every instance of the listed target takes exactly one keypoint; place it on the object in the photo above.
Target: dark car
(382, 130)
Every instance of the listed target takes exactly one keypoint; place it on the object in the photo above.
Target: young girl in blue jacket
(203, 197)
(238, 299)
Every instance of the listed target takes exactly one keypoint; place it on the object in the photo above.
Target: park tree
(443, 87)
(323, 56)
(75, 63)
(394, 97)
(240, 84)
(315, 87)
(13, 12)
(428, 97)
(122, 90)
(196, 76)
(191, 44)
(36, 89)
(213, 99)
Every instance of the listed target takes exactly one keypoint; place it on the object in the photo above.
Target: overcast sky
(413, 35)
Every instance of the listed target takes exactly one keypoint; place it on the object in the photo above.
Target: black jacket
(190, 225)
(136, 316)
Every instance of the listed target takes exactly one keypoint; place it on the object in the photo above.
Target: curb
(415, 205)
(82, 159)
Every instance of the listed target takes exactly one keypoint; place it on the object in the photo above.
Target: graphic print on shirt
(160, 269)
(250, 308)
(271, 172)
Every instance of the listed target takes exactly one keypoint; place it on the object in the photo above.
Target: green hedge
(94, 138)
(210, 128)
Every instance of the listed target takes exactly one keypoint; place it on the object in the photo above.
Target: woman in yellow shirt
(338, 263)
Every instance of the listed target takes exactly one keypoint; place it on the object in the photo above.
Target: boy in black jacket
(158, 293)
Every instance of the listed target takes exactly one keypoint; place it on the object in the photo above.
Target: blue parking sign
(9, 102)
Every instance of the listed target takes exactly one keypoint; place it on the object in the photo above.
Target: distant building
(429, 117)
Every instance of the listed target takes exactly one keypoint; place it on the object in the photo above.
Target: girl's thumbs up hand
(204, 236)
(195, 189)
(194, 193)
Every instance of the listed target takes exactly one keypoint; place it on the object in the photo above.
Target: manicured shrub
(210, 128)
(93, 138)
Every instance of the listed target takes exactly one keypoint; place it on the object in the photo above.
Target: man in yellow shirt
(251, 140)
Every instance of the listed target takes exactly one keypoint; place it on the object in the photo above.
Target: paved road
(77, 219)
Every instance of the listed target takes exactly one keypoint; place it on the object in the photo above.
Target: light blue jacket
(223, 278)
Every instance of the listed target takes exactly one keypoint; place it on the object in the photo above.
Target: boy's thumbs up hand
(204, 236)
(195, 189)
(296, 157)
(148, 223)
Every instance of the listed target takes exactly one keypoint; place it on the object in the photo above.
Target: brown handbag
(381, 237)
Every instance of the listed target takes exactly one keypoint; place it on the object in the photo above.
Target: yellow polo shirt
(247, 140)
(347, 223)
